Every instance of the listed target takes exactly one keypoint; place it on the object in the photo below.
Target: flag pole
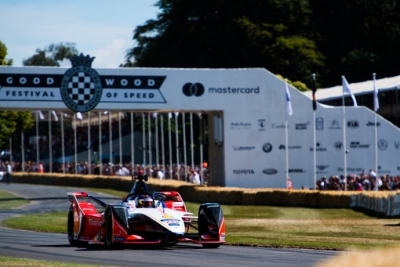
(50, 144)
(376, 107)
(110, 145)
(23, 150)
(120, 138)
(75, 147)
(132, 145)
(184, 143)
(157, 147)
(170, 145)
(150, 144)
(37, 138)
(144, 139)
(100, 153)
(286, 148)
(162, 143)
(191, 139)
(344, 140)
(89, 146)
(62, 141)
(314, 135)
(177, 145)
(290, 113)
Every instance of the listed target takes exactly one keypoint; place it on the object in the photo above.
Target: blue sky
(100, 28)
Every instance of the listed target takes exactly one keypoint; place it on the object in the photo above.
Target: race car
(143, 218)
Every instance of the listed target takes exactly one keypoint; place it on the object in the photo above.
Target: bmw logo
(267, 147)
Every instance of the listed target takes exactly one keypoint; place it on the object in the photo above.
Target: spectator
(194, 177)
(289, 184)
(8, 172)
(160, 174)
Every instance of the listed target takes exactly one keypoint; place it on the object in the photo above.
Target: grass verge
(266, 226)
(9, 201)
(19, 262)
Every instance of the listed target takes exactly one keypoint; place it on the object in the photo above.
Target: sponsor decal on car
(94, 222)
(171, 222)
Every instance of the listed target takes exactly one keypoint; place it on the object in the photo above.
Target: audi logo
(193, 89)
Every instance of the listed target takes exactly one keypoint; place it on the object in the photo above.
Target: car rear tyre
(209, 222)
(70, 231)
(109, 229)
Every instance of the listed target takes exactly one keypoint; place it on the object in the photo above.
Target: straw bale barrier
(200, 194)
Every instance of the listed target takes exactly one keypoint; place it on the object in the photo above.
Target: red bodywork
(89, 223)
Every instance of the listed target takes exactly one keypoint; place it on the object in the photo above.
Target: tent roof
(385, 84)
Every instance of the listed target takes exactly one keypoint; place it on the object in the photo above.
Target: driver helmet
(145, 201)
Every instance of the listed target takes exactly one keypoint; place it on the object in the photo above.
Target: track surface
(55, 247)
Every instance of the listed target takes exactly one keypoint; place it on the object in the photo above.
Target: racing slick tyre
(70, 231)
(209, 220)
(108, 240)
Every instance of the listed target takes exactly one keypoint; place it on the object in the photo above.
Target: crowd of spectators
(180, 172)
(365, 181)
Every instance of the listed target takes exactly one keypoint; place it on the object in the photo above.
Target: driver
(145, 202)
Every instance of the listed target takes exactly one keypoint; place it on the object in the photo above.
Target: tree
(12, 122)
(51, 55)
(3, 54)
(225, 34)
(357, 38)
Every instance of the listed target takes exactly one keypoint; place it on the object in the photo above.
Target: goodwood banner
(251, 106)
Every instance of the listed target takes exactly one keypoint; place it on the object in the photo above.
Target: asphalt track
(55, 247)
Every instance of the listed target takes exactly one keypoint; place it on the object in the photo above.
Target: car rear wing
(78, 197)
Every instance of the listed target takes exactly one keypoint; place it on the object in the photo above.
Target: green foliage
(3, 54)
(12, 122)
(297, 84)
(51, 55)
(222, 34)
(294, 38)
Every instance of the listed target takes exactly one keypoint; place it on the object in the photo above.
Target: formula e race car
(143, 218)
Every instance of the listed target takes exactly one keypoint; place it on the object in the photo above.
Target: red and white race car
(143, 218)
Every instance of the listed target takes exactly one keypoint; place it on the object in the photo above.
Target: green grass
(9, 201)
(19, 262)
(337, 229)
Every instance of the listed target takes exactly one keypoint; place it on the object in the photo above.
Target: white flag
(55, 115)
(79, 116)
(288, 100)
(41, 116)
(176, 114)
(155, 114)
(346, 89)
(376, 100)
(169, 115)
